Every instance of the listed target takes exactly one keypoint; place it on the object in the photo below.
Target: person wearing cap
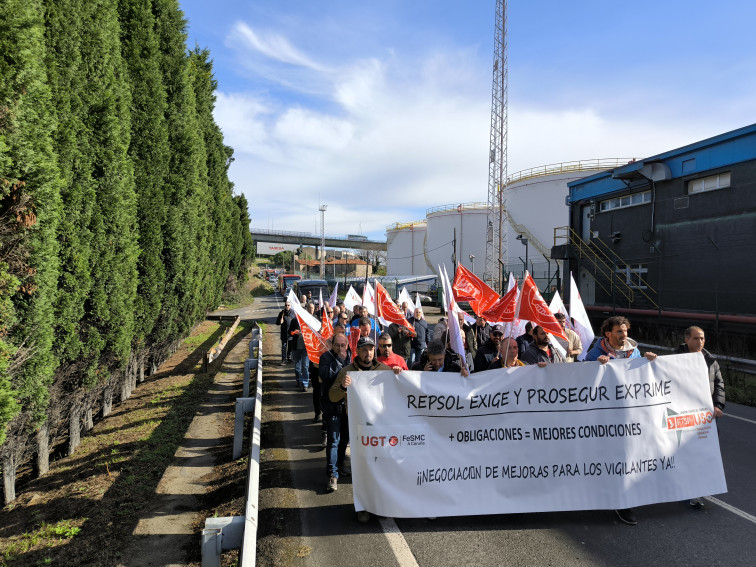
(364, 362)
(334, 414)
(489, 349)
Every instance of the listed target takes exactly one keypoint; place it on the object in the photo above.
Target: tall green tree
(99, 242)
(149, 152)
(218, 195)
(180, 307)
(29, 213)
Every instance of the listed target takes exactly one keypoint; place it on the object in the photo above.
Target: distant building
(335, 267)
(672, 235)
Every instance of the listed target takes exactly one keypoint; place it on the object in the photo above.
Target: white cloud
(272, 45)
(379, 140)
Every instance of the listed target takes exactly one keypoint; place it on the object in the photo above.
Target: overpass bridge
(349, 241)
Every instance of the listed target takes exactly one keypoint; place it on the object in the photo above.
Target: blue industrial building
(671, 237)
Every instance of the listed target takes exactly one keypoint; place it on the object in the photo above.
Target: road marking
(398, 544)
(738, 417)
(732, 509)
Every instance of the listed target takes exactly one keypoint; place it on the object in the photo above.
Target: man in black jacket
(541, 351)
(420, 341)
(694, 342)
(489, 349)
(334, 413)
(284, 320)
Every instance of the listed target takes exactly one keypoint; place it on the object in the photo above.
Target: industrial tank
(469, 220)
(536, 204)
(405, 249)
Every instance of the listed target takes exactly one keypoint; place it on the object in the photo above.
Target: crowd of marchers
(353, 348)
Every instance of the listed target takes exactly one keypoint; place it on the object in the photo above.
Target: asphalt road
(723, 533)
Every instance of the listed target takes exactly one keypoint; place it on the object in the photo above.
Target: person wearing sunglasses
(386, 354)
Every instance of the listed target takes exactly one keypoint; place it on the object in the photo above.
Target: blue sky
(381, 109)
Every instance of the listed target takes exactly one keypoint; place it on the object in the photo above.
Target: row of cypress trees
(118, 225)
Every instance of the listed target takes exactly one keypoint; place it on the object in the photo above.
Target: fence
(232, 532)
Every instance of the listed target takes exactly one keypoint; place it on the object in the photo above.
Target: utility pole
(497, 253)
(322, 240)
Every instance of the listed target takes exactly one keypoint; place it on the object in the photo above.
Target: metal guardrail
(745, 365)
(232, 532)
(345, 238)
(568, 167)
(459, 207)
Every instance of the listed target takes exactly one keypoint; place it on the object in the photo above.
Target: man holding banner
(337, 393)
(334, 413)
(615, 344)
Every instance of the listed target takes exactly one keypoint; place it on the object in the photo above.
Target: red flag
(326, 331)
(503, 310)
(388, 309)
(534, 309)
(354, 336)
(469, 287)
(314, 343)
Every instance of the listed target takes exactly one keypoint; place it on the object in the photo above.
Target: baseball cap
(365, 341)
(497, 329)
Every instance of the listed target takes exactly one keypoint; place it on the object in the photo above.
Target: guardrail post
(249, 365)
(253, 344)
(211, 547)
(243, 406)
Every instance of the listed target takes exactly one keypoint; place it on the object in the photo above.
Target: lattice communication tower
(496, 235)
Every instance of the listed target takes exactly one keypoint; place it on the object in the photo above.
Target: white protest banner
(565, 437)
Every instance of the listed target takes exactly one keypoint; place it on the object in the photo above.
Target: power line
(421, 254)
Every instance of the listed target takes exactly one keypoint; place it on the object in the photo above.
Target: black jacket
(284, 320)
(329, 367)
(486, 353)
(716, 382)
(420, 341)
(534, 355)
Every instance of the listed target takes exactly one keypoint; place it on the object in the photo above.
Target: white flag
(368, 298)
(352, 299)
(556, 306)
(455, 333)
(516, 327)
(404, 296)
(334, 295)
(582, 322)
(311, 321)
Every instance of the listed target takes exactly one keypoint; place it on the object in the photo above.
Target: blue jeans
(415, 354)
(301, 364)
(338, 439)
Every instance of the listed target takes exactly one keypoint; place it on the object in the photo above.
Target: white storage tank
(536, 204)
(470, 221)
(405, 244)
